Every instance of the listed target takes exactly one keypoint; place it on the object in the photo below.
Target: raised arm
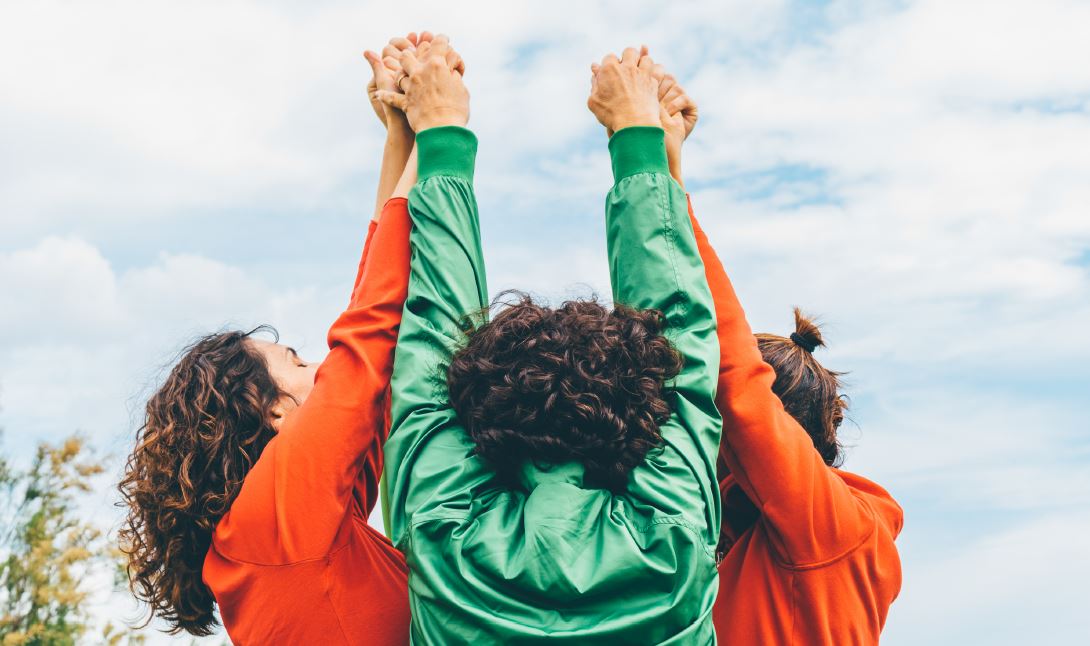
(654, 263)
(296, 496)
(397, 149)
(446, 284)
(395, 155)
(810, 508)
(328, 455)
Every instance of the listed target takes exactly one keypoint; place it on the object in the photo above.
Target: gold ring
(400, 79)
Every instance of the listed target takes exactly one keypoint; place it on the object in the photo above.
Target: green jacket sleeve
(654, 263)
(446, 283)
(553, 561)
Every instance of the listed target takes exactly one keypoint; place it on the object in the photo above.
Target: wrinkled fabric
(293, 561)
(553, 559)
(810, 555)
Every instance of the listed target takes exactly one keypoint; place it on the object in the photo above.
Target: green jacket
(553, 560)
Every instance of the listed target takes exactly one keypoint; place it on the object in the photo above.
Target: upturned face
(292, 374)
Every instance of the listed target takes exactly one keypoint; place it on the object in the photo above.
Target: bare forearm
(408, 178)
(395, 156)
(673, 158)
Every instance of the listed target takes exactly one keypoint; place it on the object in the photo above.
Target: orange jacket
(294, 561)
(809, 556)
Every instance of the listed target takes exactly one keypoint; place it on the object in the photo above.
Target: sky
(915, 173)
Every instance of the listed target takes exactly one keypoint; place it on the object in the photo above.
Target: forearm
(446, 283)
(408, 177)
(333, 441)
(673, 157)
(751, 411)
(362, 267)
(654, 264)
(770, 455)
(395, 157)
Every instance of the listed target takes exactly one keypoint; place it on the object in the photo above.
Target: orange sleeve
(365, 490)
(363, 258)
(811, 512)
(328, 454)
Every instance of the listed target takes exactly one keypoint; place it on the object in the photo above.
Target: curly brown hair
(580, 382)
(808, 390)
(202, 432)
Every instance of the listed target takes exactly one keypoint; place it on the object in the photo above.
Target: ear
(276, 415)
(840, 405)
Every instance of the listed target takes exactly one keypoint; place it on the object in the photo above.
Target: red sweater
(810, 556)
(294, 561)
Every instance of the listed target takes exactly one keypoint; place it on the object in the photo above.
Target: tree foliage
(47, 553)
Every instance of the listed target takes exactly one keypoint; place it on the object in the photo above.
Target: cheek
(304, 382)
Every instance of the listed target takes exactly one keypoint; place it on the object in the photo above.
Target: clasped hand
(427, 83)
(422, 77)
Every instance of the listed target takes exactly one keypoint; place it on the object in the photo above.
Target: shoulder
(247, 530)
(886, 510)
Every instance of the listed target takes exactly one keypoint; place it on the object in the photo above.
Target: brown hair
(809, 392)
(579, 382)
(202, 432)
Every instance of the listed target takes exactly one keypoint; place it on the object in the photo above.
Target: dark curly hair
(579, 382)
(202, 432)
(808, 390)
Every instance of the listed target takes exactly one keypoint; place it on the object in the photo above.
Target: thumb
(374, 60)
(681, 103)
(392, 99)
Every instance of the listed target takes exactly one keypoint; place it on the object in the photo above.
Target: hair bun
(803, 342)
(807, 335)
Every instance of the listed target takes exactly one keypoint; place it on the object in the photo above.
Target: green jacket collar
(535, 474)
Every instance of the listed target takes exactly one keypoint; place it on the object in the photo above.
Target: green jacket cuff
(447, 150)
(638, 149)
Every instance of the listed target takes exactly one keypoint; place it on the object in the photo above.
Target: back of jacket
(843, 601)
(553, 559)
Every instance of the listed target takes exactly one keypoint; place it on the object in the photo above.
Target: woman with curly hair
(552, 477)
(254, 472)
(808, 553)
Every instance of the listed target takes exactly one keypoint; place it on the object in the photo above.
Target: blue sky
(917, 173)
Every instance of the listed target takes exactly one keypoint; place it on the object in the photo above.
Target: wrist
(440, 118)
(397, 126)
(675, 171)
(622, 121)
(673, 156)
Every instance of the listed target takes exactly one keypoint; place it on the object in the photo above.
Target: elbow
(745, 397)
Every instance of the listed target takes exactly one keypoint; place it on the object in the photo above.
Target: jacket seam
(817, 565)
(229, 557)
(668, 228)
(333, 607)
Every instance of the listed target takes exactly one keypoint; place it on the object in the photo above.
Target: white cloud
(965, 594)
(957, 447)
(916, 171)
(61, 285)
(83, 342)
(136, 109)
